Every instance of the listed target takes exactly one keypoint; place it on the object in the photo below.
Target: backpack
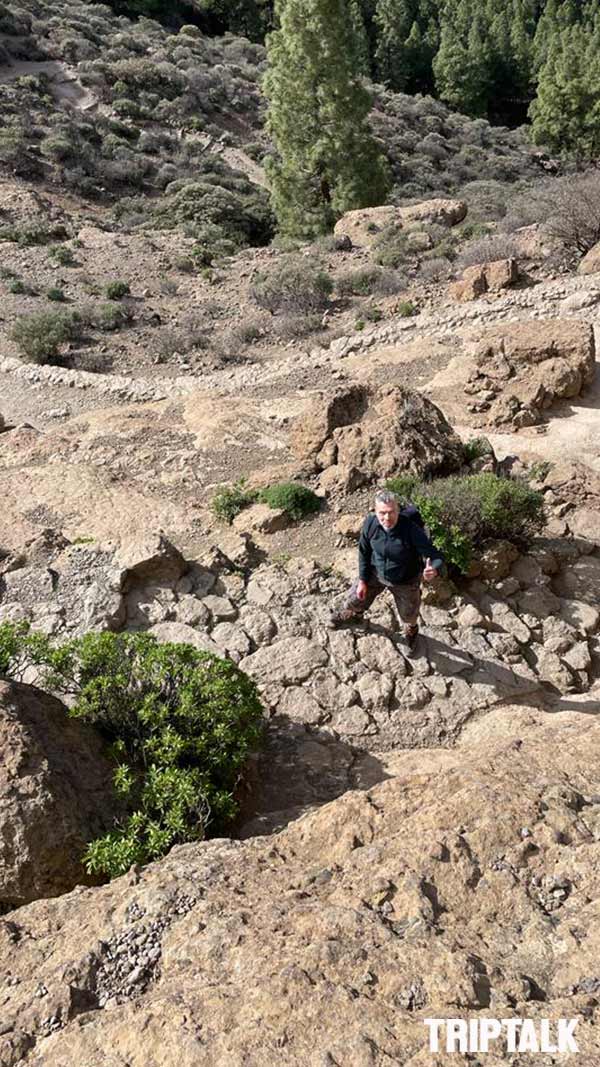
(411, 511)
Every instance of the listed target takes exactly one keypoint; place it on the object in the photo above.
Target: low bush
(293, 284)
(117, 290)
(40, 335)
(463, 513)
(63, 255)
(180, 722)
(360, 282)
(569, 208)
(297, 500)
(29, 234)
(229, 500)
(391, 248)
(487, 250)
(56, 295)
(108, 317)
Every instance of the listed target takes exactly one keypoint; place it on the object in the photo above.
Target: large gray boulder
(56, 794)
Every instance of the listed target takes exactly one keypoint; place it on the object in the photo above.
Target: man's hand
(361, 589)
(430, 573)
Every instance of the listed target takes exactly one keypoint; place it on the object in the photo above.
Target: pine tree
(362, 58)
(463, 64)
(393, 20)
(326, 160)
(565, 115)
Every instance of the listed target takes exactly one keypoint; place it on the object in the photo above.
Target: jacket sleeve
(425, 546)
(364, 550)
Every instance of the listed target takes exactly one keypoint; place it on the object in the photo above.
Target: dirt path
(64, 82)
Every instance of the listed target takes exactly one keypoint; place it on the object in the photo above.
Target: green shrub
(405, 309)
(116, 290)
(297, 500)
(181, 724)
(229, 500)
(463, 513)
(477, 448)
(57, 295)
(294, 284)
(63, 255)
(185, 264)
(41, 334)
(32, 233)
(391, 247)
(108, 317)
(361, 282)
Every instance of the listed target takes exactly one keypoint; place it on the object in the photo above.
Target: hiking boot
(409, 636)
(338, 618)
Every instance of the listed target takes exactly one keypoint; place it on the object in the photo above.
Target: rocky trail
(420, 835)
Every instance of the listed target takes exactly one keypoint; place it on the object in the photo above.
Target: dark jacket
(397, 555)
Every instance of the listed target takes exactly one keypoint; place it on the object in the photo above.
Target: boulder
(393, 429)
(523, 368)
(471, 285)
(590, 264)
(149, 558)
(440, 211)
(364, 225)
(533, 242)
(56, 795)
(484, 277)
(314, 429)
(260, 518)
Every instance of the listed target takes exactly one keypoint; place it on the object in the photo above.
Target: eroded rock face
(413, 895)
(520, 370)
(356, 437)
(55, 795)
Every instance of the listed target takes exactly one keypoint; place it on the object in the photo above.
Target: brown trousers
(407, 598)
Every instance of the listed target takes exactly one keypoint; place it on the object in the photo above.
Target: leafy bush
(41, 334)
(108, 317)
(462, 513)
(297, 500)
(293, 284)
(29, 234)
(181, 724)
(116, 290)
(63, 255)
(476, 448)
(405, 309)
(229, 500)
(57, 295)
(391, 248)
(361, 282)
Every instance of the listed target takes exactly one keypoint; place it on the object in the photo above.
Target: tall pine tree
(565, 115)
(326, 161)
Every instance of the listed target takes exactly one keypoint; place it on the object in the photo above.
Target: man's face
(387, 514)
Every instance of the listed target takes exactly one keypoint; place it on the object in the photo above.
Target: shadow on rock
(296, 772)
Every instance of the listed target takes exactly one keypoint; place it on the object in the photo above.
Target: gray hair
(385, 496)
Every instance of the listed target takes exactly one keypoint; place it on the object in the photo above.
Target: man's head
(386, 508)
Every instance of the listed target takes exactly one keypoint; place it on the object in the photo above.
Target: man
(391, 551)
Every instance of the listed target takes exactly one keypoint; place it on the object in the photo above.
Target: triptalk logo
(519, 1035)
